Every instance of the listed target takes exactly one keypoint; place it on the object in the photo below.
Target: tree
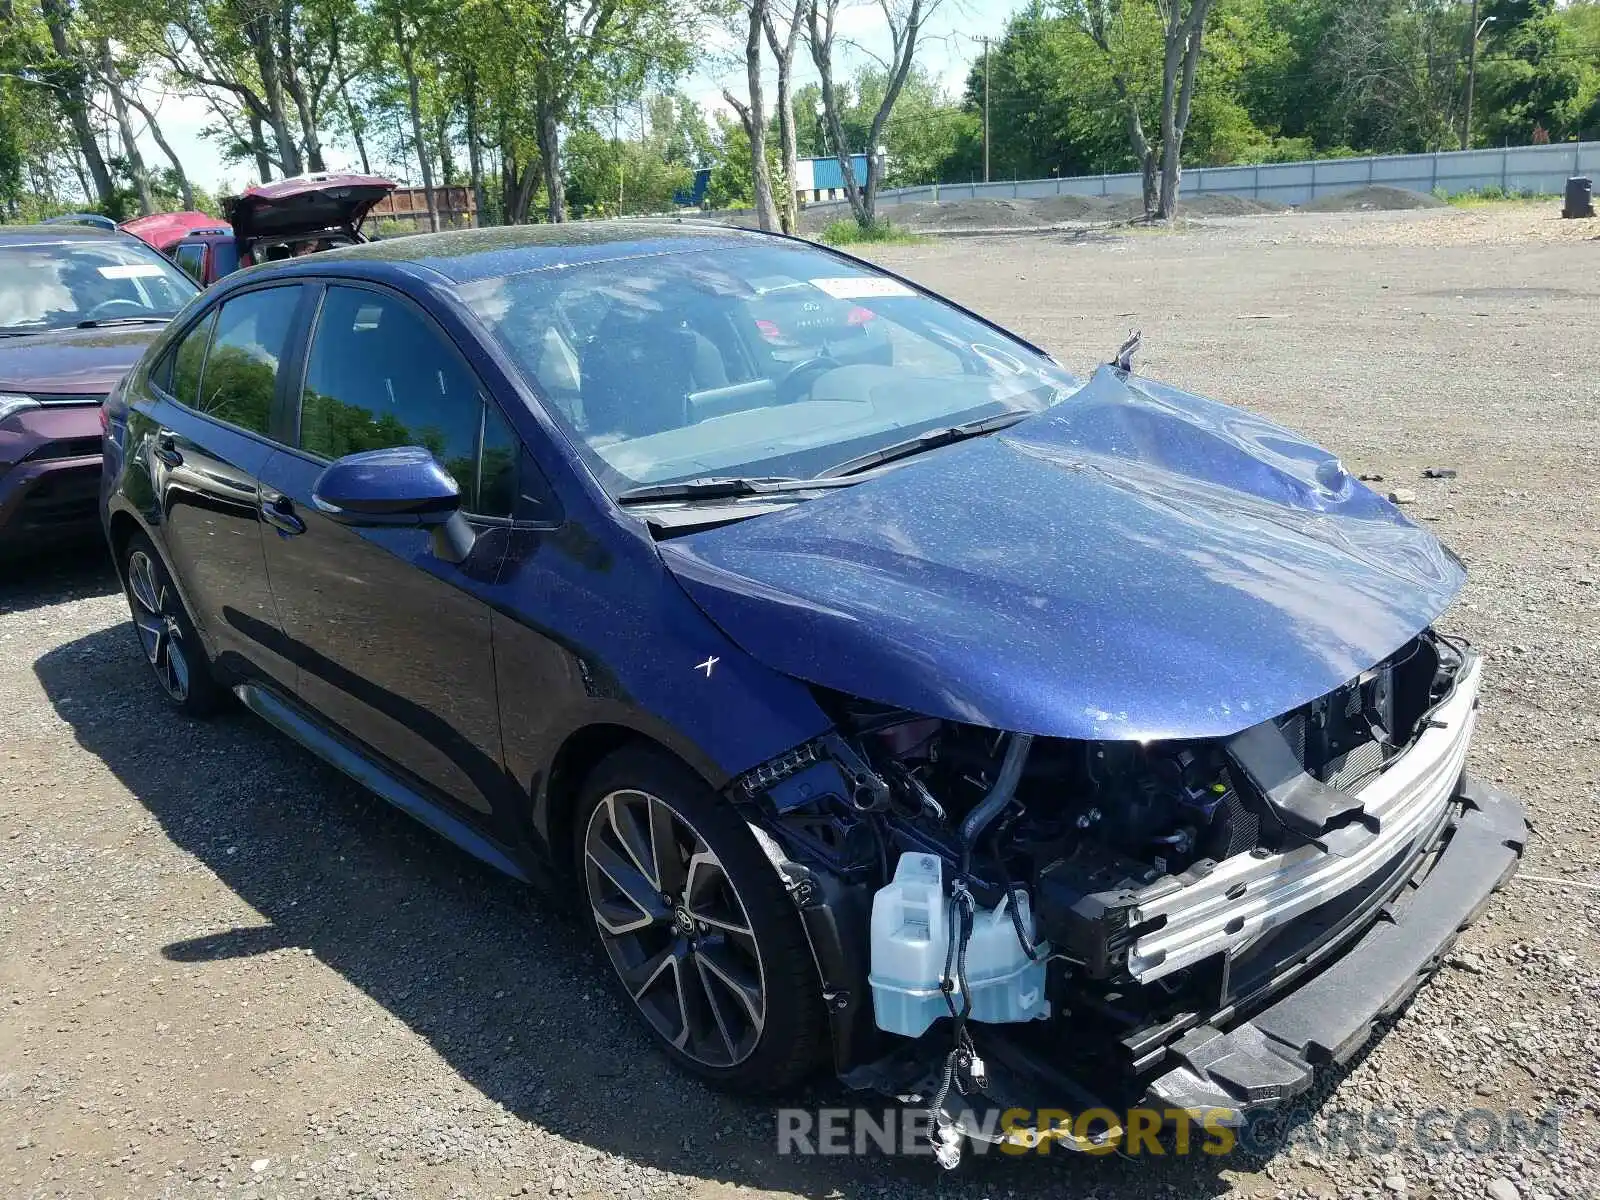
(615, 176)
(783, 45)
(69, 76)
(576, 53)
(680, 127)
(753, 116)
(1121, 29)
(732, 182)
(1185, 33)
(904, 19)
(1533, 73)
(252, 61)
(1401, 66)
(408, 22)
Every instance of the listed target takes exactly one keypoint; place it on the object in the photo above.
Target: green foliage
(1536, 74)
(608, 177)
(851, 233)
(731, 185)
(1493, 194)
(925, 134)
(508, 88)
(1284, 80)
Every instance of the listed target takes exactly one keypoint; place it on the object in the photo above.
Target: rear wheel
(702, 936)
(166, 635)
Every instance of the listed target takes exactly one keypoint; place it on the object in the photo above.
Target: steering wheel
(99, 310)
(793, 383)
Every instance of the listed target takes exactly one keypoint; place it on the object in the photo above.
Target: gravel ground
(225, 971)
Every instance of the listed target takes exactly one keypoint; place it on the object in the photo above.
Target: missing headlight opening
(1090, 909)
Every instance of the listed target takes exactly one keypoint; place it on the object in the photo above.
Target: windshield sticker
(131, 271)
(861, 287)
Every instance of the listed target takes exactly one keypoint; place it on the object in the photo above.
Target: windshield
(56, 285)
(774, 360)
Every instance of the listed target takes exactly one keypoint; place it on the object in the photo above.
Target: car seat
(637, 373)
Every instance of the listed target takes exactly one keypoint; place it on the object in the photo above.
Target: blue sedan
(883, 694)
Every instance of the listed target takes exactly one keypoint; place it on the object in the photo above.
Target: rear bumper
(1270, 1059)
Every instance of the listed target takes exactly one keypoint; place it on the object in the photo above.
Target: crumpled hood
(1136, 562)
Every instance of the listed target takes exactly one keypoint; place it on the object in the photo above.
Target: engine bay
(1063, 841)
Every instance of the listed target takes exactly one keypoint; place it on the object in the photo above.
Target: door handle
(278, 511)
(167, 449)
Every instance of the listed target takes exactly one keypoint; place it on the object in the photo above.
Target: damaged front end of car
(1002, 920)
(1145, 784)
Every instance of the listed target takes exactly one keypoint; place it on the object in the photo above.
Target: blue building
(815, 179)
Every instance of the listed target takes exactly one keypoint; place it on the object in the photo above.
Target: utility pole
(1472, 74)
(986, 104)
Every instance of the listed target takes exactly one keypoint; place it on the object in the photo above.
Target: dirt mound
(1374, 196)
(1215, 204)
(960, 216)
(1053, 209)
(963, 214)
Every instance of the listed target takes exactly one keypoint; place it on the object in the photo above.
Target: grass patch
(850, 233)
(1492, 194)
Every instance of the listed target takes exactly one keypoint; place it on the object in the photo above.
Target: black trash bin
(1580, 197)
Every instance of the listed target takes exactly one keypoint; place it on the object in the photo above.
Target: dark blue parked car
(718, 578)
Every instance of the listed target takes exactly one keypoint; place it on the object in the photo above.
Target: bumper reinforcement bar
(1271, 1058)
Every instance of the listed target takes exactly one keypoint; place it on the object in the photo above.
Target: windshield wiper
(101, 322)
(723, 488)
(928, 439)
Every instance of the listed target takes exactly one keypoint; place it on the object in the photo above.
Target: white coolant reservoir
(910, 937)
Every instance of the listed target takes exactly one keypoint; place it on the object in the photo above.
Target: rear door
(393, 643)
(206, 427)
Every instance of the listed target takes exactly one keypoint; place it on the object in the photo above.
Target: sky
(951, 40)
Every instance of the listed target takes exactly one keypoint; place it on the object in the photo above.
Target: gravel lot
(225, 971)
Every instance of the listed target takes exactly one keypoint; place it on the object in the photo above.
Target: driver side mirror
(402, 486)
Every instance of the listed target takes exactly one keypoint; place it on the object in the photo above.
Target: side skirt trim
(338, 753)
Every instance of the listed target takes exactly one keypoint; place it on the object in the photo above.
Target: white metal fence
(1538, 169)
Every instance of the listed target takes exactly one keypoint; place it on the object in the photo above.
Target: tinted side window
(241, 372)
(224, 258)
(497, 466)
(378, 375)
(187, 358)
(192, 259)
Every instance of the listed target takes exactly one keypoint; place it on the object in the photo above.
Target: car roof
(45, 234)
(464, 255)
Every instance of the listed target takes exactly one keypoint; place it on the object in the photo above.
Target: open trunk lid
(305, 204)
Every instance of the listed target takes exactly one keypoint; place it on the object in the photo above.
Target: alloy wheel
(675, 928)
(156, 618)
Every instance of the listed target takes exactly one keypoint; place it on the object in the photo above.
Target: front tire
(166, 634)
(703, 939)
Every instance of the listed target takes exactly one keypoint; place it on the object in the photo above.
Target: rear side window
(241, 371)
(224, 258)
(379, 375)
(187, 358)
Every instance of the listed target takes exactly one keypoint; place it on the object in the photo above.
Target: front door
(393, 643)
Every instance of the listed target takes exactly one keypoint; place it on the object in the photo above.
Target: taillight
(858, 315)
(105, 419)
(769, 329)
